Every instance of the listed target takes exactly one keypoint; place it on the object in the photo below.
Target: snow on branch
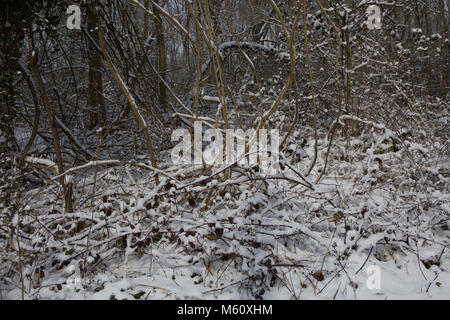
(247, 45)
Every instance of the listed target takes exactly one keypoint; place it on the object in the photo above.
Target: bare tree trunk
(348, 65)
(162, 57)
(51, 116)
(97, 112)
(146, 27)
(445, 27)
(37, 111)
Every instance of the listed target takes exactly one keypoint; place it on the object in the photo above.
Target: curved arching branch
(247, 45)
(37, 111)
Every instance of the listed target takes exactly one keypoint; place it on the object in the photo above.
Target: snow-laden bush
(384, 201)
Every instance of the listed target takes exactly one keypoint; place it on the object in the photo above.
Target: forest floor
(375, 227)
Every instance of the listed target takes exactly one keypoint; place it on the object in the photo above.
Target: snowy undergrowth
(384, 201)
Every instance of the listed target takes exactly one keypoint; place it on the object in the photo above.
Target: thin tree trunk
(146, 26)
(51, 116)
(97, 112)
(162, 57)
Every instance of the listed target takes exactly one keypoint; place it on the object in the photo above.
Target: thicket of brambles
(87, 117)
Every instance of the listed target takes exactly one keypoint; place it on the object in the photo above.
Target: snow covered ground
(376, 226)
